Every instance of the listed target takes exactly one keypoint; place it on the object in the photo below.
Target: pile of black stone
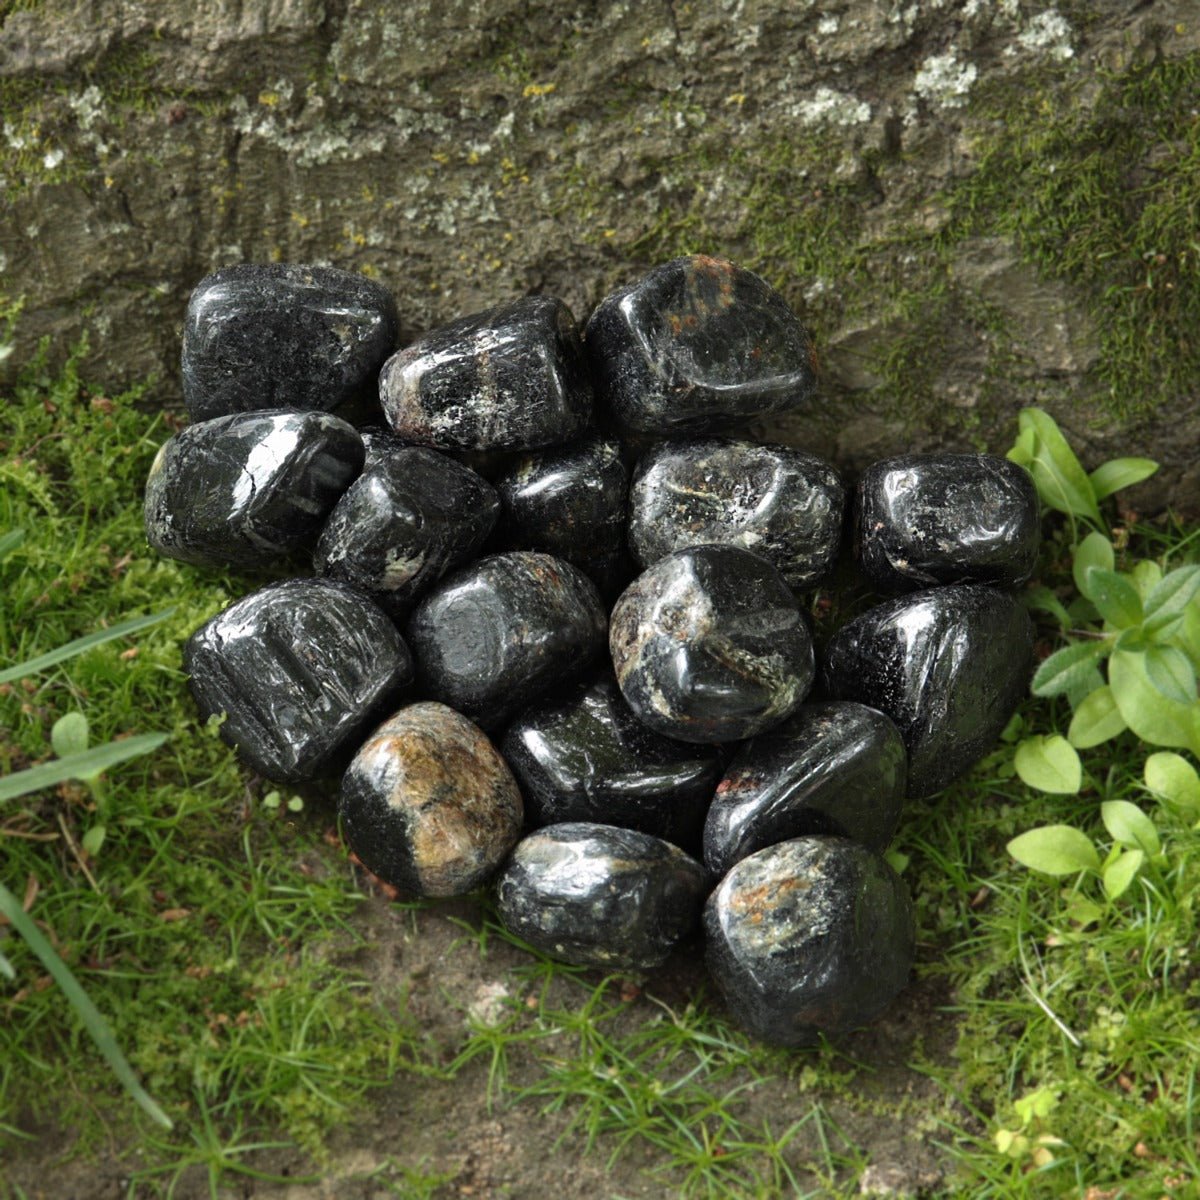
(468, 561)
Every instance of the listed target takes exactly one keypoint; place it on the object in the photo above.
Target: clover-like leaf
(1050, 764)
(1130, 826)
(1121, 872)
(1055, 850)
(1096, 720)
(1172, 778)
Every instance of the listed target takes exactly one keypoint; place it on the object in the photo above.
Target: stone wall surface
(976, 206)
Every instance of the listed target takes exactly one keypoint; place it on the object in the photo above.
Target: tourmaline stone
(302, 669)
(492, 637)
(569, 501)
(948, 665)
(695, 345)
(835, 767)
(584, 756)
(250, 487)
(509, 378)
(926, 519)
(279, 335)
(599, 896)
(428, 804)
(405, 521)
(809, 936)
(781, 503)
(379, 445)
(709, 645)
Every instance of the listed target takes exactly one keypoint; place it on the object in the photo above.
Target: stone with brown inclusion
(428, 804)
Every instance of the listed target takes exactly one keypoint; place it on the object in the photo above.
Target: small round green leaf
(1145, 575)
(1050, 764)
(1152, 716)
(1120, 874)
(1094, 551)
(1130, 826)
(1055, 850)
(1096, 720)
(1172, 778)
(70, 734)
(93, 840)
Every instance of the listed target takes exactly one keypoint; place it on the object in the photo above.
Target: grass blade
(79, 645)
(78, 766)
(10, 541)
(92, 1019)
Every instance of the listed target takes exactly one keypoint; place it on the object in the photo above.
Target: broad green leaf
(1096, 720)
(1145, 574)
(78, 766)
(1162, 627)
(70, 734)
(1042, 599)
(1115, 597)
(93, 839)
(1050, 764)
(1023, 448)
(10, 541)
(1094, 551)
(1172, 778)
(79, 645)
(1083, 686)
(1174, 591)
(1120, 873)
(1153, 717)
(97, 1027)
(1188, 637)
(1171, 672)
(1061, 482)
(897, 860)
(1055, 850)
(1120, 473)
(1064, 667)
(1130, 826)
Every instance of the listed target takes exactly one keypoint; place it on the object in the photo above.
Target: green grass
(228, 944)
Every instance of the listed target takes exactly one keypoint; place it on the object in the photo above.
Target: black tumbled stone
(247, 488)
(948, 665)
(509, 378)
(927, 519)
(781, 503)
(809, 936)
(492, 637)
(278, 335)
(428, 804)
(584, 756)
(599, 896)
(709, 645)
(411, 516)
(835, 767)
(695, 345)
(302, 669)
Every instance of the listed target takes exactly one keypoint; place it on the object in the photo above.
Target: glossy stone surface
(835, 767)
(813, 935)
(569, 501)
(379, 444)
(284, 336)
(948, 665)
(695, 345)
(492, 637)
(428, 804)
(245, 489)
(926, 519)
(411, 516)
(709, 645)
(303, 669)
(781, 503)
(510, 378)
(599, 896)
(584, 756)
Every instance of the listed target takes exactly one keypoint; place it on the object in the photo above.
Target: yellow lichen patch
(539, 89)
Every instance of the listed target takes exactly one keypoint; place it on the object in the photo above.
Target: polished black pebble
(411, 516)
(809, 936)
(245, 489)
(302, 669)
(781, 503)
(695, 345)
(279, 335)
(709, 645)
(924, 519)
(495, 635)
(584, 756)
(948, 665)
(599, 896)
(510, 378)
(835, 767)
(379, 445)
(570, 501)
(428, 804)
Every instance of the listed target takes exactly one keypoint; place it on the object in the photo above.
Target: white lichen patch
(53, 158)
(831, 107)
(490, 1005)
(828, 25)
(944, 80)
(1048, 33)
